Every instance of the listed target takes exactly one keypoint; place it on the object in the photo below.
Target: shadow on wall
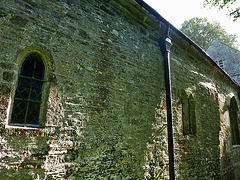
(230, 167)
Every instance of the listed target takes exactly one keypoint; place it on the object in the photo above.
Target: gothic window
(188, 115)
(233, 113)
(28, 95)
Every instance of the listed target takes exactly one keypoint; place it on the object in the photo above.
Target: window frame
(48, 74)
(28, 101)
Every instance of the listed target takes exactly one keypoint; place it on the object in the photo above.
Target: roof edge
(191, 42)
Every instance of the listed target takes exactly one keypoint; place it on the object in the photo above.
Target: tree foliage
(229, 4)
(202, 32)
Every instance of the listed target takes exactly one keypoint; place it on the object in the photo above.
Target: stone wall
(105, 110)
(105, 81)
(206, 154)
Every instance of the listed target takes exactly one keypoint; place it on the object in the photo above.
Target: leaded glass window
(28, 95)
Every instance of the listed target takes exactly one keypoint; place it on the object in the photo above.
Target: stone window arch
(188, 114)
(31, 90)
(233, 114)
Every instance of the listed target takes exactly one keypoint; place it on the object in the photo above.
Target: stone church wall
(105, 78)
(104, 114)
(212, 142)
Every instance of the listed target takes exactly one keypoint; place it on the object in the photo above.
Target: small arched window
(28, 95)
(188, 114)
(233, 113)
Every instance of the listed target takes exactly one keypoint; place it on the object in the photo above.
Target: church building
(109, 89)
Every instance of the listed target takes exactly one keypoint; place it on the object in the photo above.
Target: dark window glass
(27, 101)
(233, 113)
(188, 115)
(192, 117)
(19, 111)
(185, 116)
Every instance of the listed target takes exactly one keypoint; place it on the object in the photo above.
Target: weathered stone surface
(104, 107)
(3, 12)
(18, 20)
(6, 65)
(8, 76)
(228, 59)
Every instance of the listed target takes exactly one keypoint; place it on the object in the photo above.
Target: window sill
(24, 126)
(25, 131)
(187, 137)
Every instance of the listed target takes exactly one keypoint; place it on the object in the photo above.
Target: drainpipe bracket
(165, 43)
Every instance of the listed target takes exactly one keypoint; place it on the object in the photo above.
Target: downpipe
(165, 45)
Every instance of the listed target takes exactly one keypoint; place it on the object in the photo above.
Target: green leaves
(228, 4)
(220, 3)
(202, 32)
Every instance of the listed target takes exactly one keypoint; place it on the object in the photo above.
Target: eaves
(192, 43)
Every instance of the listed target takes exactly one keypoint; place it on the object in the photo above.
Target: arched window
(188, 114)
(192, 117)
(28, 95)
(233, 113)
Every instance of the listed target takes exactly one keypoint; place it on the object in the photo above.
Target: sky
(177, 11)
